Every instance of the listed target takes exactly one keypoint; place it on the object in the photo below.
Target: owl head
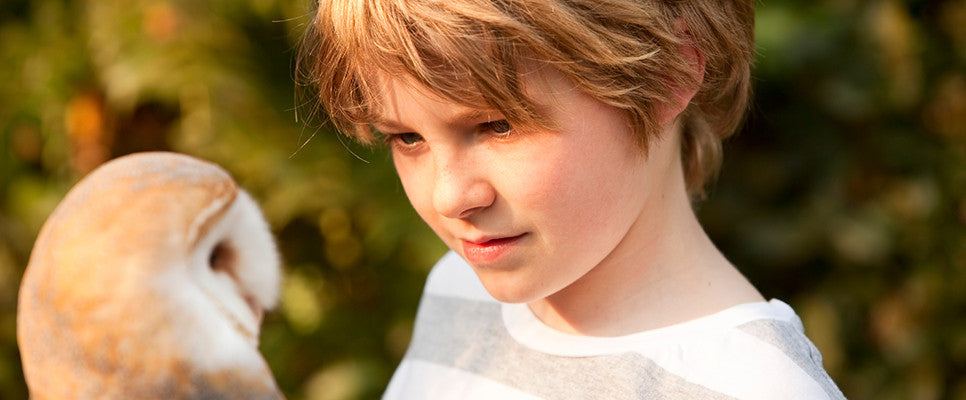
(149, 280)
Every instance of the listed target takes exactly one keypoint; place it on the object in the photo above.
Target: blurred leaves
(86, 81)
(845, 194)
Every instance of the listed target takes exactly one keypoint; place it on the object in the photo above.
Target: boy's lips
(488, 249)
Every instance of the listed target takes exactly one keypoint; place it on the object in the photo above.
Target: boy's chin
(506, 291)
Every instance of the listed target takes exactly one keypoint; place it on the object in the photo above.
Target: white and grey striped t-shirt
(466, 345)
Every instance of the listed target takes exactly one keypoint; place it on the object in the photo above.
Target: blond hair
(625, 53)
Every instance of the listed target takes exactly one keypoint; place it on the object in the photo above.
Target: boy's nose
(460, 190)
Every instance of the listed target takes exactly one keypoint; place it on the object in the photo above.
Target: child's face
(532, 210)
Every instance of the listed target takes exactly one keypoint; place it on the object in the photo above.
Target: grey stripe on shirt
(787, 338)
(469, 335)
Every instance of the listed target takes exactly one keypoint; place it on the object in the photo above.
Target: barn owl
(148, 281)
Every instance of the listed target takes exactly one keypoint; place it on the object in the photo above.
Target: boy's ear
(681, 96)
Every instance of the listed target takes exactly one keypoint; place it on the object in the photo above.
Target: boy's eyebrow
(458, 118)
(383, 124)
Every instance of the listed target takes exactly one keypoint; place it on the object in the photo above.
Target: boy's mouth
(486, 250)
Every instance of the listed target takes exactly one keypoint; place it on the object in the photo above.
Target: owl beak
(256, 308)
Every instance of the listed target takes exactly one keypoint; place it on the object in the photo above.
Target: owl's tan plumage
(147, 282)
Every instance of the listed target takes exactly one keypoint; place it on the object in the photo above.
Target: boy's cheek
(410, 179)
(418, 189)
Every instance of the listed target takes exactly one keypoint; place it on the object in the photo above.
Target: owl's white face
(231, 276)
(237, 266)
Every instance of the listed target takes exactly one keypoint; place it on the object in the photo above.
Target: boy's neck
(671, 273)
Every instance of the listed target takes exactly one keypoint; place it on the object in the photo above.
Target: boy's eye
(499, 126)
(408, 138)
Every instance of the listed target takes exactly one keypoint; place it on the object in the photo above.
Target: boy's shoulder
(750, 351)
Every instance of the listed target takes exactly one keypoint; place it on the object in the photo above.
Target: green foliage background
(845, 194)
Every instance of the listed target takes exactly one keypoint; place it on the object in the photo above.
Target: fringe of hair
(479, 52)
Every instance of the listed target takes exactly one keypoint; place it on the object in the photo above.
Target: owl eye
(221, 258)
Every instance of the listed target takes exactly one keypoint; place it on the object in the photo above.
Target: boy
(555, 146)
